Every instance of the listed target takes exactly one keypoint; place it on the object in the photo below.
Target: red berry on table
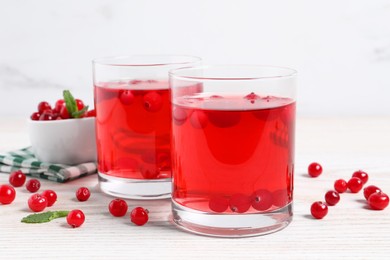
(126, 97)
(75, 218)
(80, 104)
(239, 203)
(118, 207)
(370, 190)
(340, 186)
(7, 194)
(51, 197)
(378, 201)
(332, 197)
(355, 184)
(218, 204)
(262, 200)
(64, 114)
(33, 185)
(35, 116)
(361, 175)
(319, 209)
(37, 202)
(83, 194)
(139, 216)
(17, 178)
(152, 101)
(314, 169)
(42, 106)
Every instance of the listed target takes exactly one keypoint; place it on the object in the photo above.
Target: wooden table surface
(349, 231)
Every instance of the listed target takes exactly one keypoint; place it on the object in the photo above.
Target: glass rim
(125, 60)
(176, 72)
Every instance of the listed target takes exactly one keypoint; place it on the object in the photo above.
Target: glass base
(232, 225)
(140, 189)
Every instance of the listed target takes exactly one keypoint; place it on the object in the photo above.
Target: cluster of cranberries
(46, 112)
(38, 202)
(377, 200)
(118, 208)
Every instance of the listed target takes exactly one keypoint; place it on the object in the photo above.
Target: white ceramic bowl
(69, 141)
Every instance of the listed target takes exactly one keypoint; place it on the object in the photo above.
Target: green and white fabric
(25, 161)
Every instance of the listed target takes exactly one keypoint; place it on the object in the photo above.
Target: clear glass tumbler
(233, 131)
(133, 124)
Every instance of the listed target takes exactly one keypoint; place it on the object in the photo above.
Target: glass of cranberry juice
(233, 149)
(133, 124)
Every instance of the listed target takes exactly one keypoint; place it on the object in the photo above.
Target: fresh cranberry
(80, 104)
(261, 200)
(149, 171)
(83, 194)
(118, 207)
(224, 119)
(361, 175)
(218, 204)
(126, 97)
(340, 186)
(37, 202)
(314, 169)
(239, 203)
(319, 209)
(46, 116)
(33, 185)
(152, 102)
(139, 216)
(199, 119)
(17, 178)
(378, 200)
(332, 197)
(179, 115)
(35, 116)
(51, 197)
(75, 218)
(91, 113)
(355, 184)
(7, 194)
(42, 106)
(252, 97)
(370, 190)
(59, 104)
(64, 114)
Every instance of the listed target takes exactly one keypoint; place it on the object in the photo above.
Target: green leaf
(45, 217)
(80, 112)
(70, 102)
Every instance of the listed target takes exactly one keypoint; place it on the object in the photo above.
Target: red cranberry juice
(133, 128)
(233, 154)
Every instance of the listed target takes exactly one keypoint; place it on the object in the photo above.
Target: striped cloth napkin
(25, 161)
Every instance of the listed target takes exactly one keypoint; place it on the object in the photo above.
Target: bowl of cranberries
(63, 133)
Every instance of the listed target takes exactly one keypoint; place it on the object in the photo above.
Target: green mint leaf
(45, 217)
(79, 113)
(70, 103)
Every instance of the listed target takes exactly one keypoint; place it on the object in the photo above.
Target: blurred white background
(340, 48)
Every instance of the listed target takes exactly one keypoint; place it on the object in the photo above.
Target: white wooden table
(350, 231)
